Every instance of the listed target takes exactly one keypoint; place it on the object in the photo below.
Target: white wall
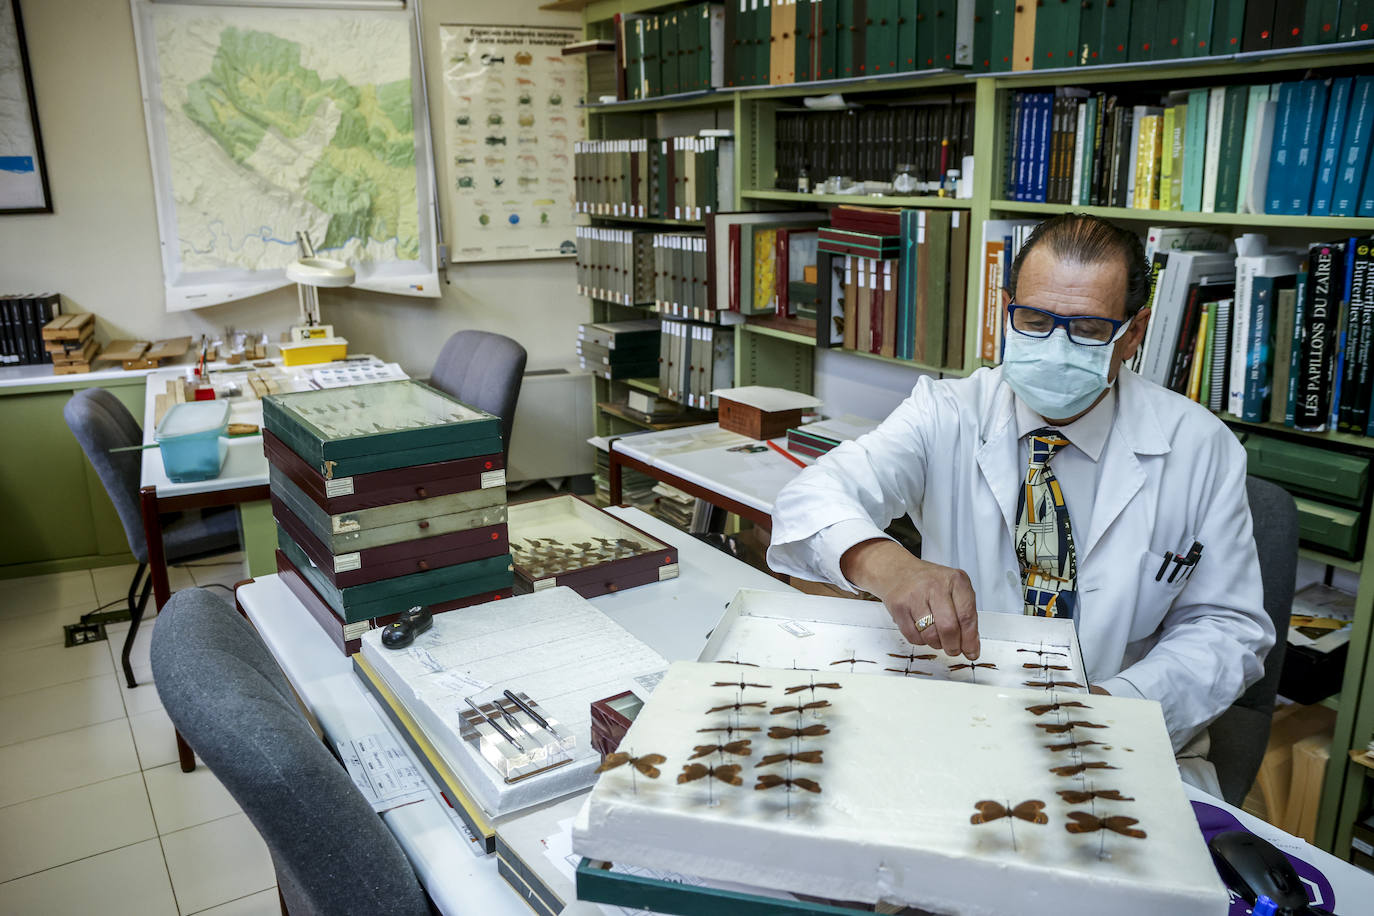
(864, 387)
(100, 246)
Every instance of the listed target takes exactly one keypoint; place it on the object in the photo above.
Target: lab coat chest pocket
(1155, 594)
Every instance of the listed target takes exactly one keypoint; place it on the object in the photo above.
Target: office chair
(1241, 734)
(482, 370)
(225, 693)
(101, 422)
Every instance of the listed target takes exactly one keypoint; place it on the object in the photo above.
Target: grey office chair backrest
(101, 422)
(1241, 734)
(483, 370)
(226, 695)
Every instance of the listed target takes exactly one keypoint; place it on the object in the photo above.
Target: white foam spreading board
(905, 762)
(553, 645)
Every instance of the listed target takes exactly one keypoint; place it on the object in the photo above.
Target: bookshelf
(771, 356)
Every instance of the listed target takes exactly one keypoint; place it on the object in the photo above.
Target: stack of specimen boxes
(386, 497)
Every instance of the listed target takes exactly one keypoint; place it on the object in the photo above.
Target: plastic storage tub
(191, 437)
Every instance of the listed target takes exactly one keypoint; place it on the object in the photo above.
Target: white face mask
(1056, 377)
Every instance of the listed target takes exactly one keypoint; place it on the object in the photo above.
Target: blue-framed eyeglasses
(1085, 330)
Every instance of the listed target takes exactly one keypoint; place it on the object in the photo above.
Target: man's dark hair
(1090, 240)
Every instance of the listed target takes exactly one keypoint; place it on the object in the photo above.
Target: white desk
(673, 617)
(698, 460)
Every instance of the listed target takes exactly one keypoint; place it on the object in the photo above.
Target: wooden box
(760, 412)
(348, 636)
(611, 719)
(385, 488)
(394, 524)
(359, 567)
(392, 596)
(565, 540)
(341, 432)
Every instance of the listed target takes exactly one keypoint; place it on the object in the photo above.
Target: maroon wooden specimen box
(570, 520)
(400, 559)
(385, 488)
(611, 719)
(755, 423)
(348, 636)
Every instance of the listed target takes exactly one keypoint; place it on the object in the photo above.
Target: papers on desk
(382, 771)
(342, 375)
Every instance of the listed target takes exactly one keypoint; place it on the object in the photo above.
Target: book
(1216, 110)
(1285, 302)
(1194, 149)
(1351, 165)
(1316, 360)
(1295, 347)
(1337, 114)
(1221, 351)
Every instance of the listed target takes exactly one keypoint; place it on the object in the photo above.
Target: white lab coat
(1171, 474)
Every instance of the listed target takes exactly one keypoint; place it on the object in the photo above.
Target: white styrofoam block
(905, 761)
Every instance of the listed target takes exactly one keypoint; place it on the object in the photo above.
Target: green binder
(1090, 32)
(906, 35)
(1323, 22)
(880, 37)
(653, 57)
(805, 31)
(1003, 14)
(945, 22)
(937, 284)
(1049, 31)
(1168, 29)
(982, 35)
(830, 10)
(1116, 31)
(1144, 24)
(1197, 28)
(1232, 143)
(763, 32)
(1228, 18)
(843, 38)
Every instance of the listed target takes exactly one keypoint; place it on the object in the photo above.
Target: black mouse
(402, 631)
(1254, 867)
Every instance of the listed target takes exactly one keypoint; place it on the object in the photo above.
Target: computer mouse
(1254, 867)
(402, 631)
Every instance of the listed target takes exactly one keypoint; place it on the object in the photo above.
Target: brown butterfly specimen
(1079, 796)
(1083, 822)
(799, 757)
(973, 665)
(732, 729)
(1038, 666)
(646, 764)
(728, 773)
(1043, 652)
(773, 780)
(743, 684)
(909, 671)
(1048, 685)
(1051, 707)
(853, 661)
(739, 748)
(1059, 728)
(736, 707)
(1076, 768)
(1070, 745)
(800, 707)
(800, 687)
(810, 731)
(1030, 810)
(913, 658)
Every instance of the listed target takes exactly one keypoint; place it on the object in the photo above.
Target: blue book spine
(1311, 116)
(1023, 144)
(1257, 350)
(1367, 195)
(1046, 138)
(1295, 358)
(1281, 151)
(1355, 144)
(1337, 111)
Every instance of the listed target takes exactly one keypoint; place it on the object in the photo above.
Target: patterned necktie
(1044, 539)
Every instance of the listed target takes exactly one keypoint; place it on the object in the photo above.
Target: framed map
(511, 116)
(23, 174)
(263, 122)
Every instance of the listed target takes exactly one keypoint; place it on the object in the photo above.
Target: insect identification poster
(511, 116)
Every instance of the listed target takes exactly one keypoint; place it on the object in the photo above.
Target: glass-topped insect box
(567, 541)
(346, 431)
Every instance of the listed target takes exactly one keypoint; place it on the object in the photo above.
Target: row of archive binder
(681, 178)
(695, 360)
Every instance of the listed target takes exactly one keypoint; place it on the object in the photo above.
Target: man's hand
(911, 589)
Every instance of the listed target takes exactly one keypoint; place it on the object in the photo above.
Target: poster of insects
(510, 119)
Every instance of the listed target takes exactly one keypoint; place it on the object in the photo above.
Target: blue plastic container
(192, 440)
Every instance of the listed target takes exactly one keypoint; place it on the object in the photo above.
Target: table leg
(258, 535)
(152, 533)
(613, 476)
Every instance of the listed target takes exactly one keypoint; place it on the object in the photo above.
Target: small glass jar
(904, 179)
(803, 181)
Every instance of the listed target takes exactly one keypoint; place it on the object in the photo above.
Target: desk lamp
(310, 341)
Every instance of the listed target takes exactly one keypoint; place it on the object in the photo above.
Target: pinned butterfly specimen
(1052, 707)
(1075, 768)
(736, 707)
(1083, 822)
(812, 686)
(1072, 745)
(1042, 666)
(799, 757)
(913, 658)
(731, 729)
(1059, 728)
(733, 661)
(728, 773)
(1079, 796)
(810, 731)
(972, 665)
(853, 661)
(738, 748)
(1043, 652)
(741, 684)
(908, 671)
(800, 707)
(1049, 685)
(772, 781)
(1030, 810)
(647, 764)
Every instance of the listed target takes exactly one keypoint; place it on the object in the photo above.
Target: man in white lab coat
(1138, 472)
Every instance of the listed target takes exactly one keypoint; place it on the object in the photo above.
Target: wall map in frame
(23, 173)
(510, 119)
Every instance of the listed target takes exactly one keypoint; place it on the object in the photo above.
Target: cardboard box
(1291, 724)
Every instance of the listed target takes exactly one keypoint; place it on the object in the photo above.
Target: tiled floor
(95, 813)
